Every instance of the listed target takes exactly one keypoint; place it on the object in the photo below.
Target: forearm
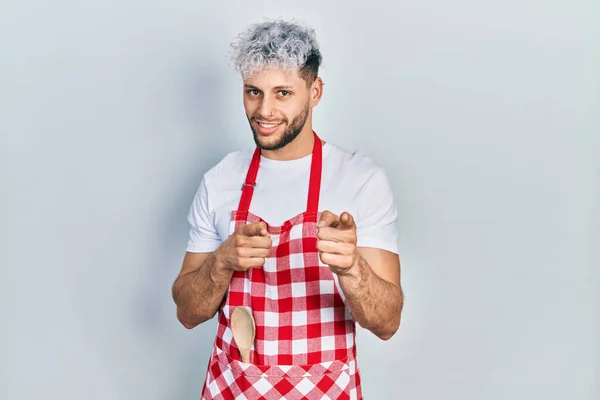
(375, 303)
(199, 293)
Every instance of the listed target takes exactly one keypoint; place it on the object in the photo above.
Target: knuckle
(349, 237)
(327, 233)
(242, 263)
(257, 262)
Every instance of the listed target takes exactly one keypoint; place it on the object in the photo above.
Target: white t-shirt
(350, 182)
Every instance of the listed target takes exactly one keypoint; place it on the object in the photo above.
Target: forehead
(271, 77)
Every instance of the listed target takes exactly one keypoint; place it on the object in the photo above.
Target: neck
(300, 147)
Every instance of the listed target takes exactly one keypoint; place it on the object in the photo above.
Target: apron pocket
(232, 379)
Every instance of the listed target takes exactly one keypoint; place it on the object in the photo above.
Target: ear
(316, 91)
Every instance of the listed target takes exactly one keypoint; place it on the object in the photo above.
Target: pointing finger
(347, 221)
(256, 229)
(328, 219)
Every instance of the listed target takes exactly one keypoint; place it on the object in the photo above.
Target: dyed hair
(279, 44)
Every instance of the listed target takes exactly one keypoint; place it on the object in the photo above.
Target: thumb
(256, 229)
(347, 221)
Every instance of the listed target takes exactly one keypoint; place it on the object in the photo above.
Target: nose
(266, 108)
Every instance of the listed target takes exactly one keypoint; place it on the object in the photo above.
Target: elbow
(188, 325)
(385, 337)
(382, 332)
(387, 332)
(390, 330)
(191, 323)
(186, 322)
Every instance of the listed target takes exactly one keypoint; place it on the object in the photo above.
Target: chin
(270, 140)
(267, 142)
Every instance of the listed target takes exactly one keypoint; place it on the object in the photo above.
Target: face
(277, 103)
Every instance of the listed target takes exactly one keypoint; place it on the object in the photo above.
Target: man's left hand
(337, 242)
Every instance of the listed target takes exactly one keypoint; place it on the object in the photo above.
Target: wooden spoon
(244, 331)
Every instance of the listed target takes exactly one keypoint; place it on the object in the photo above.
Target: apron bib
(305, 336)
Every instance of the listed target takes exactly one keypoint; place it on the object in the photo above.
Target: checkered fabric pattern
(232, 379)
(305, 336)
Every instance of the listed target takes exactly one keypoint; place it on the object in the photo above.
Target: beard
(292, 131)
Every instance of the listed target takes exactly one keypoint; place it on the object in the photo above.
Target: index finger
(255, 229)
(347, 221)
(328, 219)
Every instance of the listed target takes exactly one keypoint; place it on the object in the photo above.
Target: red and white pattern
(305, 336)
(232, 379)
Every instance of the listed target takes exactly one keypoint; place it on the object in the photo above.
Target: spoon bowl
(244, 331)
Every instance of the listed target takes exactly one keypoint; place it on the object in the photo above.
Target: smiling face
(278, 104)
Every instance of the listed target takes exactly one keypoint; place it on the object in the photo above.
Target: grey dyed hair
(279, 44)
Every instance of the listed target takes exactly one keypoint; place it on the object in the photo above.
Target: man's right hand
(246, 248)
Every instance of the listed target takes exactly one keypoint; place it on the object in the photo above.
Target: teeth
(267, 125)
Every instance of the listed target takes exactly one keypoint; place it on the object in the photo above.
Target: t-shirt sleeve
(203, 236)
(376, 225)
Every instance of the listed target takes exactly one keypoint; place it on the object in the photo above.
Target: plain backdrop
(486, 116)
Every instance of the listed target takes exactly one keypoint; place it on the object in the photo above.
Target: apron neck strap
(314, 186)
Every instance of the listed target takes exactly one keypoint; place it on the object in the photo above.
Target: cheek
(291, 111)
(250, 107)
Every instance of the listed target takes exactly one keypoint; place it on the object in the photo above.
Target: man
(298, 231)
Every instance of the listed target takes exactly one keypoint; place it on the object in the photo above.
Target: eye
(253, 92)
(284, 93)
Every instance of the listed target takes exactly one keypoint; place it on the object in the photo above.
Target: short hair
(277, 44)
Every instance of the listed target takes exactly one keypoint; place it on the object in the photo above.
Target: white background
(486, 116)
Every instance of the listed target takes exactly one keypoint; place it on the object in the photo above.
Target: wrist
(353, 272)
(219, 270)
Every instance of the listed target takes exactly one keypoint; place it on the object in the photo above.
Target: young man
(299, 231)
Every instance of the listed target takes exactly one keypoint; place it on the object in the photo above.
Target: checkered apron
(305, 336)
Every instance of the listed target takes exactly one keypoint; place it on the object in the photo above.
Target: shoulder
(355, 165)
(232, 164)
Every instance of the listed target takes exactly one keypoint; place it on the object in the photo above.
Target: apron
(305, 335)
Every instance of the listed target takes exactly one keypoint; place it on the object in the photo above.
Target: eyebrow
(280, 87)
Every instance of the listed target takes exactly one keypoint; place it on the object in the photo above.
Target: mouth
(267, 128)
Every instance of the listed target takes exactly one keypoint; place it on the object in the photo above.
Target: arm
(200, 287)
(369, 277)
(373, 291)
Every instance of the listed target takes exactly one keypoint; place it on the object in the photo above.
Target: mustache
(257, 118)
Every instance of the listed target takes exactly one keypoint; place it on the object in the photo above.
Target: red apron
(305, 336)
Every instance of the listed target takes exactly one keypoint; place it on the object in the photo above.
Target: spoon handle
(245, 353)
